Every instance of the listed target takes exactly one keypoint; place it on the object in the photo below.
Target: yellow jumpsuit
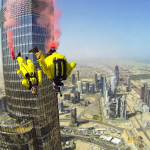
(47, 64)
(28, 68)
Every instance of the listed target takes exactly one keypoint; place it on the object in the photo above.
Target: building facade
(80, 87)
(117, 74)
(73, 79)
(42, 130)
(95, 79)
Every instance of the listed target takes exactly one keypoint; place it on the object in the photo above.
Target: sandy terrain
(146, 141)
(80, 145)
(64, 123)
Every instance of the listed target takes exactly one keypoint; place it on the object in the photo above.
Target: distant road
(91, 105)
(102, 144)
(95, 121)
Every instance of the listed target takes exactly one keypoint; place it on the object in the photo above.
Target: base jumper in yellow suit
(55, 66)
(28, 74)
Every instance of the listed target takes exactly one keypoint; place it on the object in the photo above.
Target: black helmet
(51, 51)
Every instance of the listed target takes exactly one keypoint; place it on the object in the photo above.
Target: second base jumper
(55, 66)
(28, 75)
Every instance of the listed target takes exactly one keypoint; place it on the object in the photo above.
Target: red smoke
(10, 43)
(9, 22)
(52, 14)
(12, 6)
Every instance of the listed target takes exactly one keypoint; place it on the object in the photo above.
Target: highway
(102, 144)
(91, 105)
(95, 121)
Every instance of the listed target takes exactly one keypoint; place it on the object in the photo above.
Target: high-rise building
(77, 95)
(80, 86)
(73, 100)
(148, 97)
(117, 74)
(145, 92)
(93, 88)
(60, 106)
(87, 87)
(103, 84)
(41, 130)
(77, 75)
(73, 79)
(73, 115)
(123, 111)
(128, 81)
(113, 83)
(98, 85)
(142, 92)
(95, 79)
(66, 96)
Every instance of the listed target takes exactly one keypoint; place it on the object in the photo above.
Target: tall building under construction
(32, 123)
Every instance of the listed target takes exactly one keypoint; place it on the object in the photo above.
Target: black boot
(27, 58)
(19, 55)
(34, 50)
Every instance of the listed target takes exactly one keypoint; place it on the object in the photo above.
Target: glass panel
(34, 20)
(23, 39)
(30, 38)
(26, 28)
(30, 29)
(23, 30)
(22, 20)
(26, 39)
(19, 19)
(29, 20)
(24, 48)
(26, 20)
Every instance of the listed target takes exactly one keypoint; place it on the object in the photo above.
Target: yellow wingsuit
(48, 67)
(27, 72)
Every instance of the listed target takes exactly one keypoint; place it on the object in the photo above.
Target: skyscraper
(73, 115)
(103, 84)
(80, 86)
(73, 79)
(113, 83)
(60, 106)
(77, 75)
(77, 95)
(142, 92)
(87, 87)
(123, 111)
(128, 80)
(95, 79)
(93, 88)
(145, 92)
(148, 97)
(41, 131)
(117, 74)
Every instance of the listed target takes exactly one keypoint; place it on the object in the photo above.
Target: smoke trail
(9, 22)
(10, 43)
(12, 10)
(52, 15)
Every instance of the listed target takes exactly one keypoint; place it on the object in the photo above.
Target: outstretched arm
(70, 68)
(19, 73)
(39, 75)
(25, 82)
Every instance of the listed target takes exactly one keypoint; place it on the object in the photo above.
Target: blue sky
(105, 28)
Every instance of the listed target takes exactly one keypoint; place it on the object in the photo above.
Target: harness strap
(28, 77)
